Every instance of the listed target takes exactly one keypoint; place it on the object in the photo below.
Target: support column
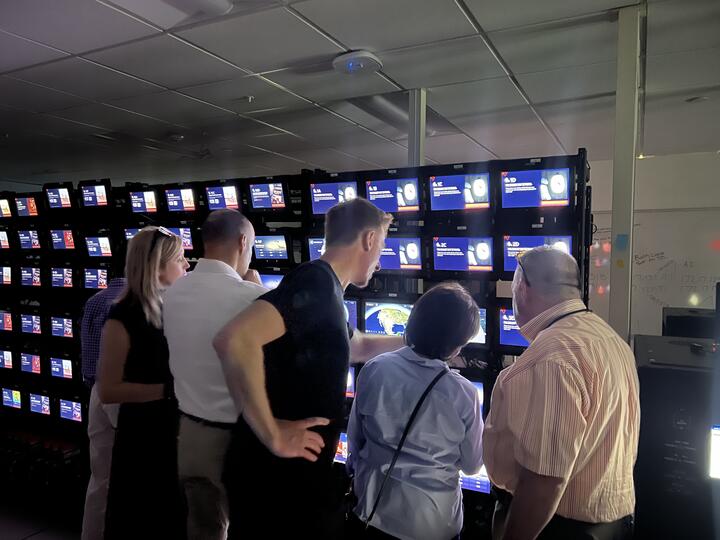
(624, 155)
(416, 135)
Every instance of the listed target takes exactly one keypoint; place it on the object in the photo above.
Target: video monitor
(180, 200)
(6, 359)
(130, 233)
(98, 246)
(386, 318)
(58, 198)
(12, 398)
(30, 363)
(5, 211)
(351, 312)
(341, 454)
(6, 275)
(715, 452)
(479, 482)
(350, 386)
(96, 278)
(270, 281)
(94, 195)
(62, 239)
(30, 324)
(4, 240)
(26, 206)
(535, 188)
(267, 196)
(61, 278)
(185, 234)
(29, 239)
(61, 368)
(509, 330)
(219, 197)
(463, 254)
(515, 245)
(459, 192)
(61, 327)
(70, 410)
(143, 202)
(6, 324)
(39, 404)
(270, 247)
(481, 337)
(316, 248)
(30, 277)
(401, 254)
(324, 196)
(395, 195)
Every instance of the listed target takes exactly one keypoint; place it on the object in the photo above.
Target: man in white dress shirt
(195, 308)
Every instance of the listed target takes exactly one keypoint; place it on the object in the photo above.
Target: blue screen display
(462, 254)
(98, 246)
(12, 398)
(94, 196)
(39, 404)
(26, 206)
(534, 189)
(386, 318)
(62, 239)
(264, 196)
(6, 321)
(270, 247)
(185, 234)
(58, 198)
(396, 195)
(61, 368)
(61, 327)
(325, 196)
(316, 248)
(30, 363)
(180, 200)
(96, 278)
(515, 245)
(30, 324)
(29, 239)
(143, 202)
(351, 312)
(401, 254)
(270, 281)
(481, 337)
(220, 197)
(459, 192)
(70, 410)
(6, 359)
(61, 277)
(509, 330)
(30, 277)
(341, 454)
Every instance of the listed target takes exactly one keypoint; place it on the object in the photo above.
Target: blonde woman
(143, 500)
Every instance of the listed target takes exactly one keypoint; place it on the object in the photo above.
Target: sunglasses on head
(157, 235)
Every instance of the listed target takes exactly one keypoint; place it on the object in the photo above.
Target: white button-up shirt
(195, 308)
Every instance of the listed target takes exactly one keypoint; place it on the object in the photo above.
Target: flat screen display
(341, 454)
(70, 410)
(61, 368)
(536, 188)
(94, 196)
(386, 318)
(61, 327)
(350, 387)
(62, 239)
(12, 398)
(180, 200)
(459, 192)
(30, 277)
(270, 281)
(6, 360)
(30, 324)
(30, 363)
(515, 245)
(98, 246)
(26, 206)
(401, 254)
(6, 324)
(39, 404)
(270, 247)
(316, 248)
(6, 275)
(267, 196)
(5, 211)
(481, 337)
(185, 234)
(130, 233)
(463, 254)
(325, 196)
(61, 277)
(96, 278)
(396, 195)
(220, 197)
(144, 202)
(479, 482)
(58, 198)
(29, 239)
(4, 241)
(509, 329)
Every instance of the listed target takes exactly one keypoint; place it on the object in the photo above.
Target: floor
(16, 526)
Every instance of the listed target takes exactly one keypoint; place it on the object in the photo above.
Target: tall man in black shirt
(286, 360)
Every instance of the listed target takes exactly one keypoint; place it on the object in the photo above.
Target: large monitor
(180, 200)
(94, 195)
(61, 278)
(271, 281)
(459, 192)
(6, 359)
(39, 404)
(515, 245)
(58, 198)
(4, 240)
(6, 323)
(143, 202)
(30, 277)
(463, 254)
(30, 324)
(6, 275)
(98, 246)
(481, 337)
(269, 196)
(386, 318)
(509, 330)
(401, 254)
(62, 239)
(394, 195)
(26, 206)
(5, 211)
(535, 188)
(62, 368)
(219, 197)
(351, 312)
(96, 278)
(30, 363)
(29, 239)
(341, 453)
(12, 398)
(61, 327)
(71, 410)
(271, 247)
(324, 196)
(316, 248)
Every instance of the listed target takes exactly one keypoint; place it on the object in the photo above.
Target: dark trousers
(355, 530)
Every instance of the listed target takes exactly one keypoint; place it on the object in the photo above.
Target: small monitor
(267, 196)
(130, 233)
(12, 398)
(386, 318)
(463, 254)
(459, 192)
(341, 454)
(62, 239)
(30, 277)
(26, 206)
(30, 363)
(30, 324)
(481, 337)
(58, 198)
(70, 410)
(325, 196)
(219, 197)
(95, 195)
(6, 359)
(5, 211)
(6, 275)
(535, 188)
(351, 312)
(270, 247)
(61, 278)
(61, 327)
(6, 324)
(270, 281)
(350, 386)
(715, 452)
(29, 239)
(395, 195)
(61, 368)
(98, 246)
(401, 254)
(515, 245)
(316, 248)
(479, 482)
(509, 330)
(4, 240)
(39, 404)
(180, 200)
(143, 202)
(96, 278)
(185, 234)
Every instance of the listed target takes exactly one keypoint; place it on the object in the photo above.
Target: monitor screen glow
(459, 192)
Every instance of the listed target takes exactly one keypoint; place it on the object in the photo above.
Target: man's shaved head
(552, 271)
(225, 227)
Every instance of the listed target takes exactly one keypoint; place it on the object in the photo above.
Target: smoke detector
(355, 62)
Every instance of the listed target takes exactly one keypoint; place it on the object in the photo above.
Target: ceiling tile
(86, 79)
(683, 25)
(364, 116)
(112, 119)
(314, 124)
(331, 160)
(373, 150)
(458, 101)
(263, 41)
(456, 148)
(327, 85)
(28, 96)
(570, 83)
(683, 71)
(172, 108)
(75, 26)
(379, 25)
(16, 52)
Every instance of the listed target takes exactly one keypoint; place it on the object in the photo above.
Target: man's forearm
(534, 503)
(369, 346)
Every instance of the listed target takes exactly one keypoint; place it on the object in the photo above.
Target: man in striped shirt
(561, 439)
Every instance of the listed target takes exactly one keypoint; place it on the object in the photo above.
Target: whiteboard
(676, 262)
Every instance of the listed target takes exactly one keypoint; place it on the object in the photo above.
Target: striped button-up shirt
(569, 408)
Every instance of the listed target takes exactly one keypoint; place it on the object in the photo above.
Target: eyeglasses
(157, 235)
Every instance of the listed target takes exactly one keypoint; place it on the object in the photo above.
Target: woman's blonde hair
(148, 252)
